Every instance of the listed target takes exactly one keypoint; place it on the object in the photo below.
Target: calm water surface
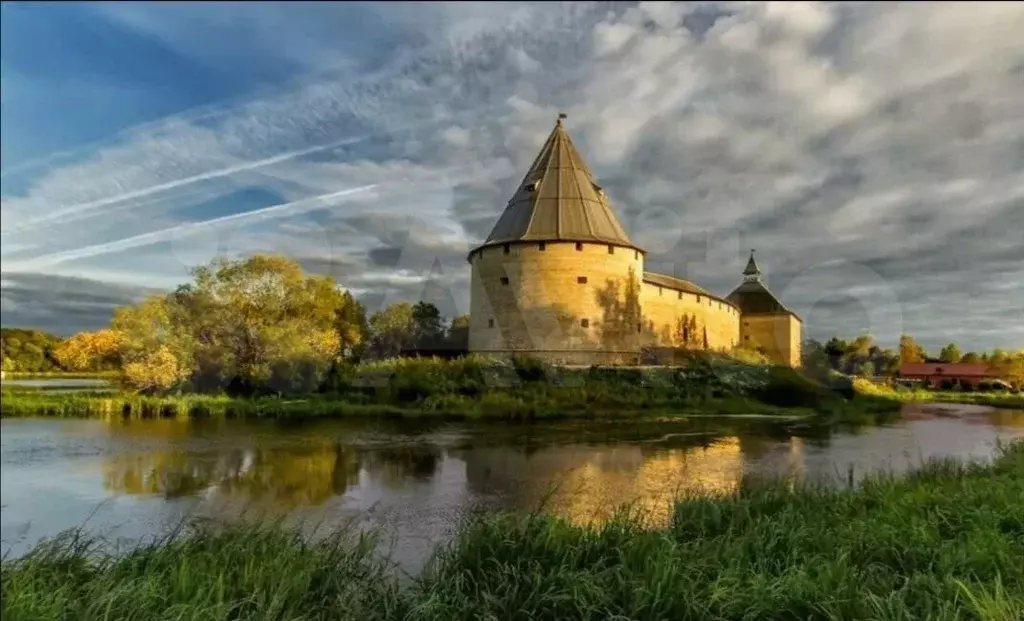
(58, 384)
(418, 481)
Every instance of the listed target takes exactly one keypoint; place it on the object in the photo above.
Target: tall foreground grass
(943, 543)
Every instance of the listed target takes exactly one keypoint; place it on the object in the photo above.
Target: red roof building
(935, 373)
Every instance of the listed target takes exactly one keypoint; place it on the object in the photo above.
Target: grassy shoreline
(108, 375)
(942, 543)
(125, 405)
(472, 388)
(1008, 400)
(481, 388)
(520, 389)
(535, 403)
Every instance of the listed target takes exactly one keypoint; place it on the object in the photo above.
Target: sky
(872, 153)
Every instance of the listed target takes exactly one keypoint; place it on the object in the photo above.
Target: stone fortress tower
(559, 278)
(764, 321)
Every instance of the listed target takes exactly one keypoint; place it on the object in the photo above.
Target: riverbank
(101, 375)
(1006, 400)
(941, 543)
(474, 389)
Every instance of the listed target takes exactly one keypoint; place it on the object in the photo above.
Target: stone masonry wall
(543, 309)
(778, 334)
(675, 318)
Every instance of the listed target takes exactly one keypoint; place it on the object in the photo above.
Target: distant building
(559, 278)
(956, 373)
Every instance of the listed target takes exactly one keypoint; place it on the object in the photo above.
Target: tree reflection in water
(581, 471)
(290, 477)
(286, 477)
(394, 467)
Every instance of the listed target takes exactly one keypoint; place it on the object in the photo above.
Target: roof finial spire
(752, 272)
(561, 117)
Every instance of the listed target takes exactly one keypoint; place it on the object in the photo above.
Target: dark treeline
(863, 357)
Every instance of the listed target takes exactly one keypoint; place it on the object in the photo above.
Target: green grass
(943, 543)
(475, 389)
(242, 573)
(1007, 399)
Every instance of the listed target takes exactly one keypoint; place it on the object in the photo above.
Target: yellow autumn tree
(250, 325)
(1010, 368)
(156, 370)
(156, 352)
(88, 351)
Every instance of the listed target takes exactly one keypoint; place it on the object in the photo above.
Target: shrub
(503, 404)
(531, 369)
(788, 388)
(340, 378)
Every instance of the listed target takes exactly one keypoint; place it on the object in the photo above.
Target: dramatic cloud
(873, 153)
(60, 304)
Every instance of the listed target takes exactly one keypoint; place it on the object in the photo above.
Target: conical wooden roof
(753, 296)
(558, 200)
(751, 269)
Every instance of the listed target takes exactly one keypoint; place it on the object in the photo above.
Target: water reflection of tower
(584, 483)
(395, 466)
(767, 456)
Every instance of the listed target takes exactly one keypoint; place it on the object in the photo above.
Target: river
(417, 481)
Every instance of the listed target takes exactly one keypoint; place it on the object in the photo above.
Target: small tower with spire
(765, 323)
(751, 273)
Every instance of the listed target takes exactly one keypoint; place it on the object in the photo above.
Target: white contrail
(78, 208)
(361, 99)
(176, 232)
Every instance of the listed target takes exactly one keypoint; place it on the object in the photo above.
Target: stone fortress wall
(557, 303)
(679, 318)
(559, 278)
(586, 303)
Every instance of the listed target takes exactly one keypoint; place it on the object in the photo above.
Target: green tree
(971, 358)
(867, 369)
(391, 330)
(887, 362)
(950, 353)
(834, 350)
(458, 333)
(352, 326)
(428, 328)
(258, 324)
(814, 360)
(856, 353)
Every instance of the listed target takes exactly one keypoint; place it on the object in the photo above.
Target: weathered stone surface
(681, 319)
(778, 334)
